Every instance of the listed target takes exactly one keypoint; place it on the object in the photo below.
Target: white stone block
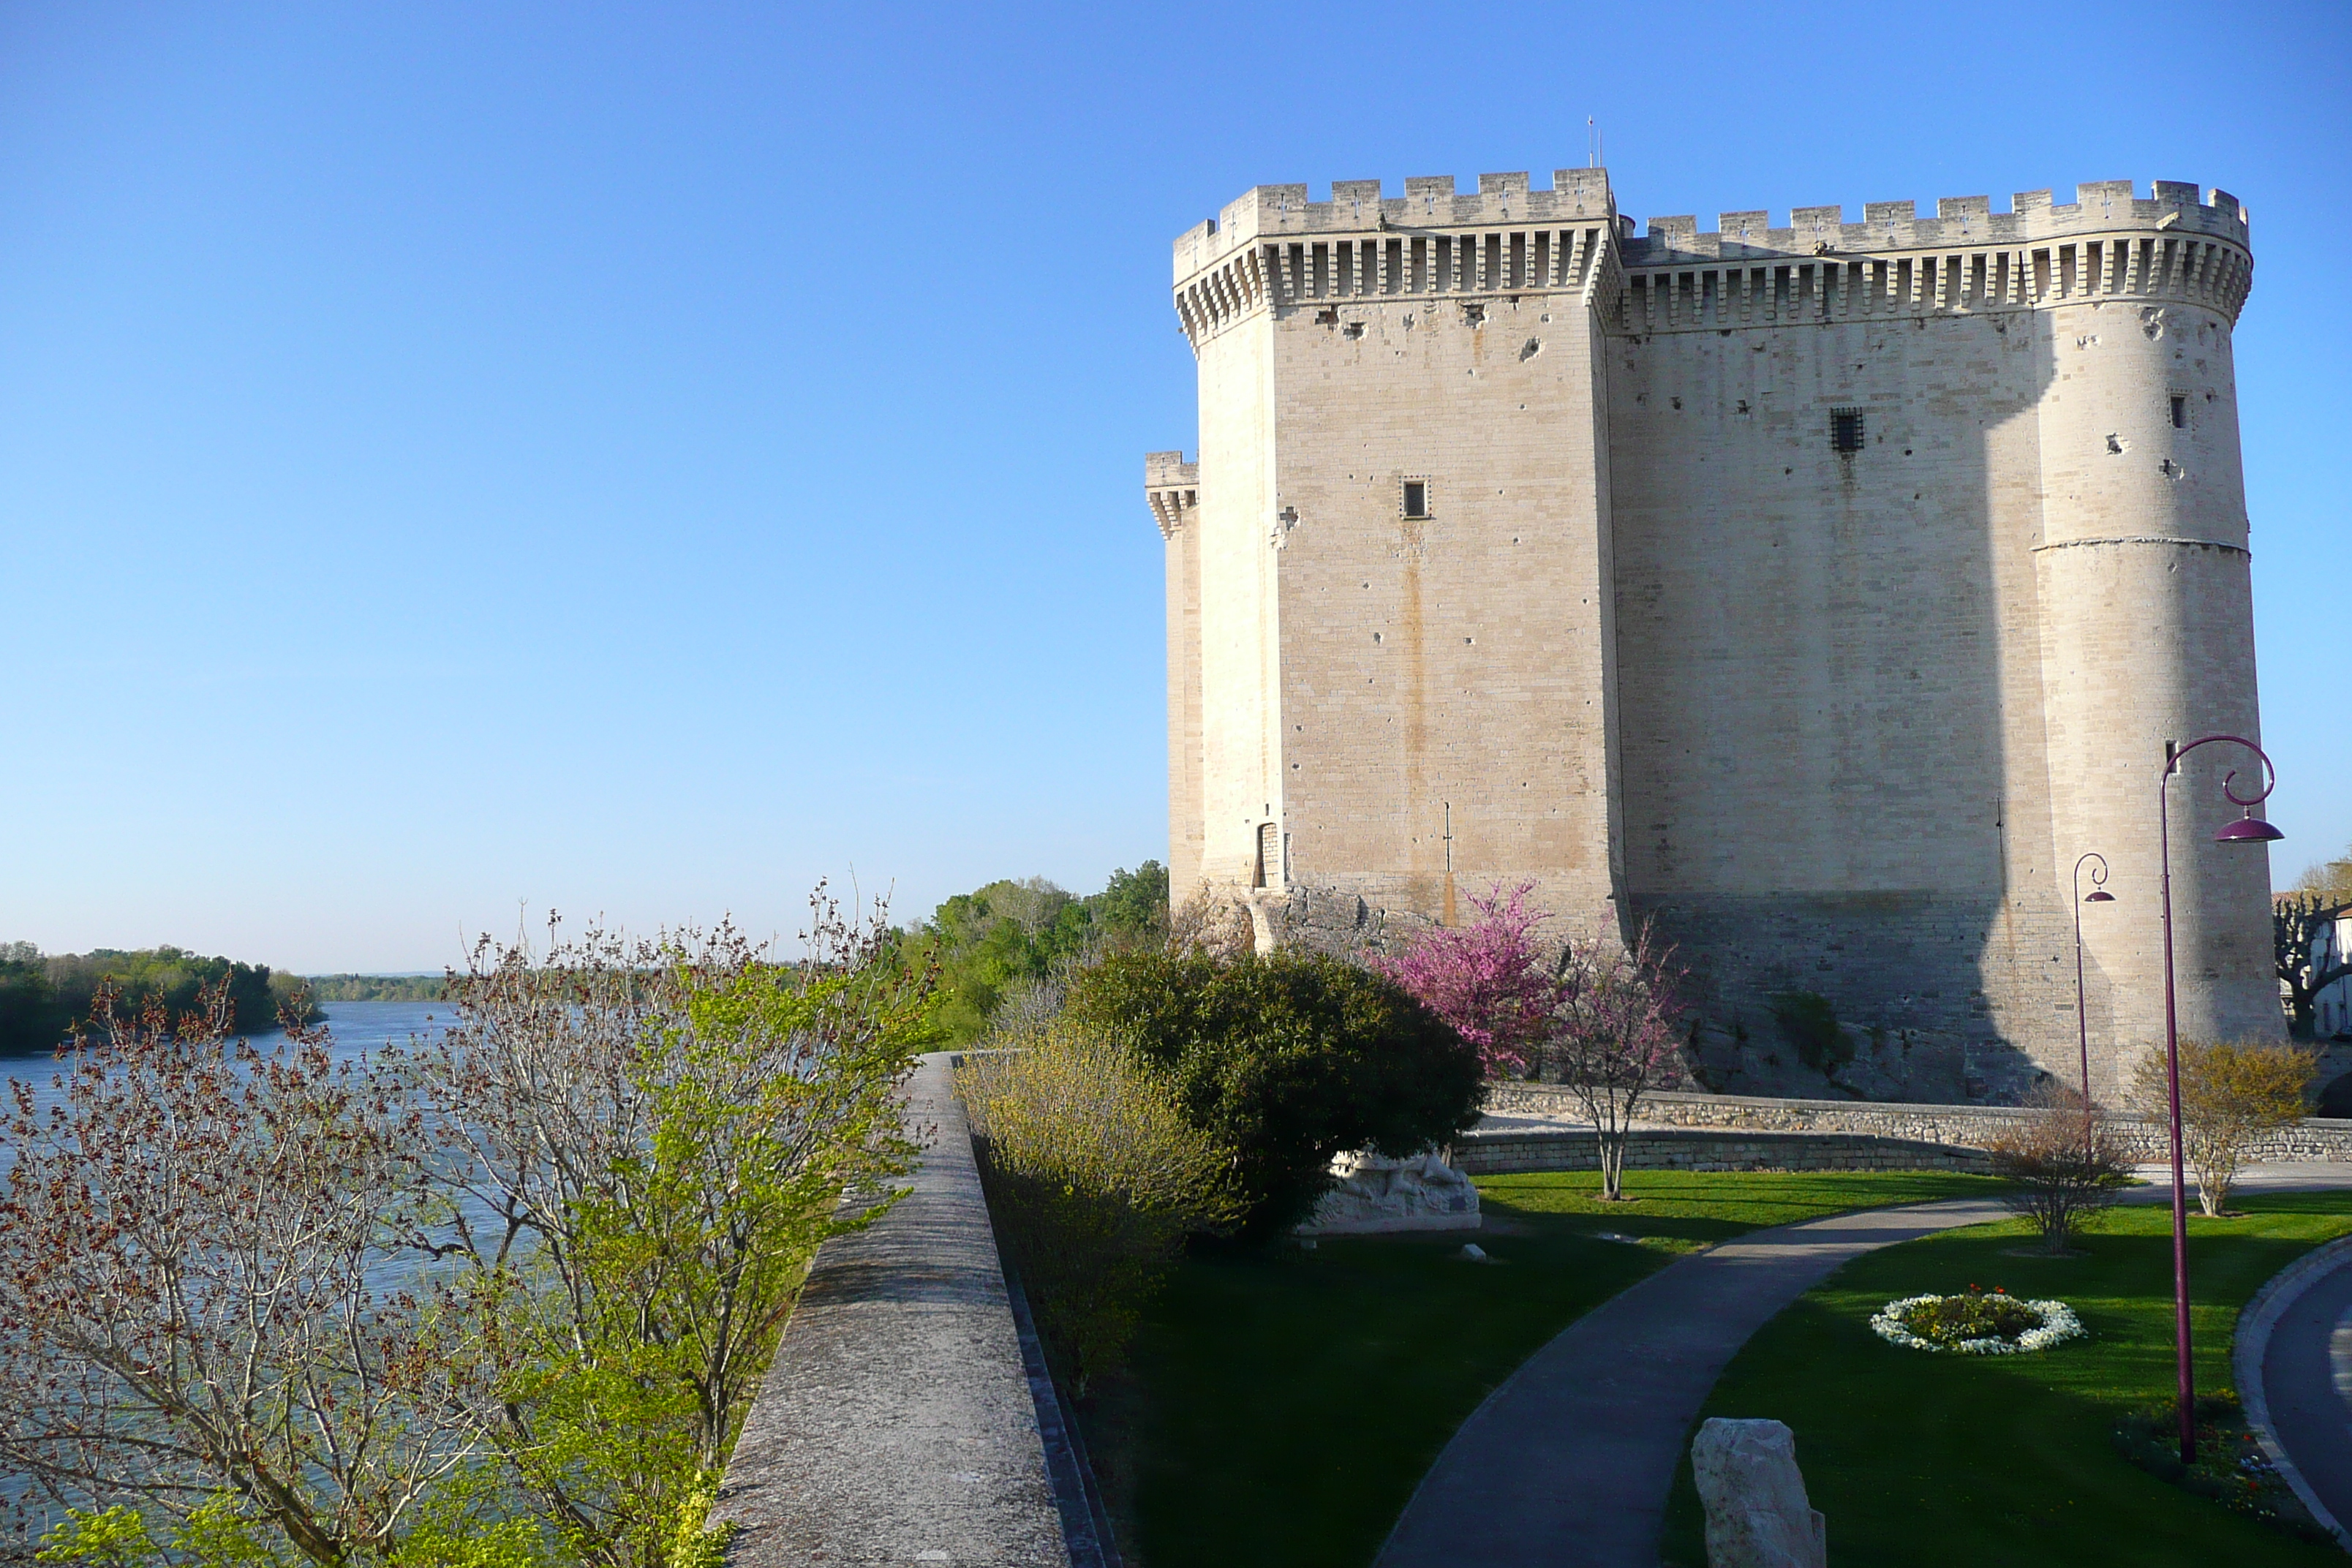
(1756, 1512)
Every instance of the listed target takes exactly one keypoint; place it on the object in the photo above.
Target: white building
(2332, 1008)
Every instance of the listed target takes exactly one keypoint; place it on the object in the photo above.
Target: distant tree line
(1005, 951)
(45, 996)
(378, 987)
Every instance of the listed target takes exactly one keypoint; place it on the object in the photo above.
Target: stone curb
(2252, 1341)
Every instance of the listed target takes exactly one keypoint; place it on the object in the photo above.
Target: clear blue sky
(640, 459)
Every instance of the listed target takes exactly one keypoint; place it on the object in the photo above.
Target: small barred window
(1845, 429)
(1416, 498)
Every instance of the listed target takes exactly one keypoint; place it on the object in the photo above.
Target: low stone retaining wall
(1956, 1126)
(1570, 1149)
(898, 1424)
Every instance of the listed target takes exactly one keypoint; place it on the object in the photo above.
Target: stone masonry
(1819, 589)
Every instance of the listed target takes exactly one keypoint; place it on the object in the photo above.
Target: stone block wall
(1948, 1126)
(1823, 591)
(1496, 1154)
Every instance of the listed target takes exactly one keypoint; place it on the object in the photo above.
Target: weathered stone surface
(1820, 592)
(1379, 1195)
(1756, 1512)
(897, 1425)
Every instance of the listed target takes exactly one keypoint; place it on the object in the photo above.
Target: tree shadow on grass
(1281, 1406)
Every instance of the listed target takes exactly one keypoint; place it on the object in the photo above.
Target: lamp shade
(2098, 896)
(2248, 829)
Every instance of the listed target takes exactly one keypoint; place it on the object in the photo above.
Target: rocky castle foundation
(1823, 590)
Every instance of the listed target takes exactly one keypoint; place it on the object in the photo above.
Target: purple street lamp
(2247, 829)
(2098, 895)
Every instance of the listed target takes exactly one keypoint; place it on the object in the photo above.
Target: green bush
(1287, 1059)
(1095, 1178)
(1809, 1023)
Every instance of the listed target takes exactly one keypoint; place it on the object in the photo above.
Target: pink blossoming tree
(1489, 979)
(1600, 1017)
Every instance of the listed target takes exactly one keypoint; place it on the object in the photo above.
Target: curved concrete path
(1569, 1461)
(1567, 1464)
(2306, 1384)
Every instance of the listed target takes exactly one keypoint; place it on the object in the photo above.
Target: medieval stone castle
(1823, 590)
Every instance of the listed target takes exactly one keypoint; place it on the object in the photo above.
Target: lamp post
(2247, 829)
(2098, 895)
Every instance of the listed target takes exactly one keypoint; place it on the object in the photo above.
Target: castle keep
(1822, 589)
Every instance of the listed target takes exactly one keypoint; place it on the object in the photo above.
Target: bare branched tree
(2302, 931)
(1212, 922)
(1614, 1037)
(202, 1258)
(2068, 1161)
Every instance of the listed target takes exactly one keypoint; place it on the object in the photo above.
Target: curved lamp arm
(2098, 875)
(2182, 749)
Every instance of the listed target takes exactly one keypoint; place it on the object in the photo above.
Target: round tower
(2146, 608)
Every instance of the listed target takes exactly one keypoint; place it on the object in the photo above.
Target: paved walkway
(2307, 1380)
(1569, 1461)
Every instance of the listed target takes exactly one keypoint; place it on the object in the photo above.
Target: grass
(1920, 1458)
(1280, 1408)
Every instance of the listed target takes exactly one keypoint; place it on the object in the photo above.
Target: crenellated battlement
(1173, 488)
(2106, 244)
(1962, 222)
(1276, 248)
(1357, 206)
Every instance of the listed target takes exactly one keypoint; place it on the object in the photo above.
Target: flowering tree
(1613, 1037)
(1489, 979)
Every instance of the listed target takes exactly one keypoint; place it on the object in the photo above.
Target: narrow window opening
(1416, 498)
(1845, 429)
(2180, 411)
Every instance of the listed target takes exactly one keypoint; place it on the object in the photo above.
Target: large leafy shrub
(1287, 1059)
(1095, 1177)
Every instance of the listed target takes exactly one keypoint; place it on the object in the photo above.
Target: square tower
(1391, 595)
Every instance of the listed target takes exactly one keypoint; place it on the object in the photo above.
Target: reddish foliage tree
(1489, 979)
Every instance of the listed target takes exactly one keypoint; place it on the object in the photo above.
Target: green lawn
(1280, 1409)
(1920, 1458)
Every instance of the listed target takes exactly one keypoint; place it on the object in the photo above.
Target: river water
(357, 1027)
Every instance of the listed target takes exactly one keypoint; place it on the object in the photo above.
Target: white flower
(2058, 1325)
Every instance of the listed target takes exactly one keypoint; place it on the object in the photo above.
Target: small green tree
(661, 1134)
(1287, 1059)
(1095, 1177)
(2232, 1092)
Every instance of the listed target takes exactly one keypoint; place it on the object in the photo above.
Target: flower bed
(1977, 1323)
(2230, 1467)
